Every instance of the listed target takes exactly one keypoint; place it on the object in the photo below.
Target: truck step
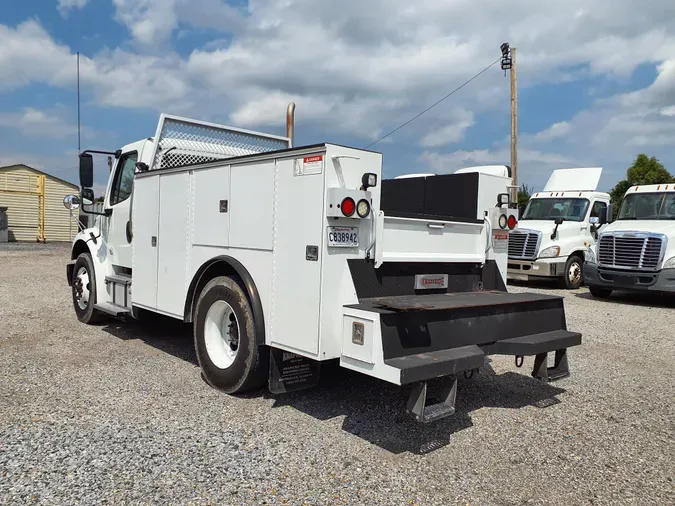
(535, 344)
(111, 309)
(121, 279)
(417, 402)
(426, 366)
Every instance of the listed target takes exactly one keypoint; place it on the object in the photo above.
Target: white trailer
(288, 257)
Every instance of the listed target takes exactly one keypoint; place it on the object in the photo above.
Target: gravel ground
(118, 414)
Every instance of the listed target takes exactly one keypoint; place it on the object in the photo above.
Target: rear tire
(573, 276)
(225, 338)
(83, 287)
(600, 293)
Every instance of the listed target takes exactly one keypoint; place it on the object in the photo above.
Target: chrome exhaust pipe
(290, 121)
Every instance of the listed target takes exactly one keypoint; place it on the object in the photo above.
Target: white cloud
(35, 123)
(65, 6)
(555, 131)
(450, 133)
(352, 70)
(153, 21)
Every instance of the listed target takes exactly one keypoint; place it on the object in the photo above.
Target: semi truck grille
(628, 250)
(523, 244)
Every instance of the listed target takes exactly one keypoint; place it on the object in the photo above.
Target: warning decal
(500, 239)
(310, 165)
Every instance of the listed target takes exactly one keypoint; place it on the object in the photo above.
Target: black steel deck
(413, 324)
(444, 301)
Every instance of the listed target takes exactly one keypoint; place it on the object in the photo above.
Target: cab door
(119, 202)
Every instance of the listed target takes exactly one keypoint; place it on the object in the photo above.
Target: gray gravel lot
(118, 414)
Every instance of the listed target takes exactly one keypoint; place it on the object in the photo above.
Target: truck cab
(558, 226)
(637, 251)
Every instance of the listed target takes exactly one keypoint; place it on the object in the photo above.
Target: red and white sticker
(310, 165)
(500, 239)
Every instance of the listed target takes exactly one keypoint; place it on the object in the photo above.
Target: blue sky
(596, 83)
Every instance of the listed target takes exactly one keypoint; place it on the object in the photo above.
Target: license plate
(343, 237)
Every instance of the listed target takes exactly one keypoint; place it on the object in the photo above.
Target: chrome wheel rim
(221, 334)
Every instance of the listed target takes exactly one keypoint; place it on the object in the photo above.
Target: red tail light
(348, 206)
(512, 222)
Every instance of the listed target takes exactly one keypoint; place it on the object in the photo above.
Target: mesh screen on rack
(186, 143)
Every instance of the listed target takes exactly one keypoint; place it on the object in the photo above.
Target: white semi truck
(558, 226)
(637, 251)
(285, 257)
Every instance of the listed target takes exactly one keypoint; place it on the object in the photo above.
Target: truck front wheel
(225, 339)
(573, 270)
(84, 289)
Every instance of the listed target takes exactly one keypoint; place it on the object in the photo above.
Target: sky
(596, 80)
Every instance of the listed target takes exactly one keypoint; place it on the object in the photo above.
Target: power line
(434, 105)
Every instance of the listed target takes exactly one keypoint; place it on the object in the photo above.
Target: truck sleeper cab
(289, 257)
(558, 226)
(636, 252)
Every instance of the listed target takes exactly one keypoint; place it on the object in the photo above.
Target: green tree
(644, 171)
(524, 195)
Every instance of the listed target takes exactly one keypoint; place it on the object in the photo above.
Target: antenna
(78, 103)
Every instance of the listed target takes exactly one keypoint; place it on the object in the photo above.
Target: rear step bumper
(427, 366)
(415, 339)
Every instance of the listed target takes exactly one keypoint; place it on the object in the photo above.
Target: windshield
(648, 206)
(569, 209)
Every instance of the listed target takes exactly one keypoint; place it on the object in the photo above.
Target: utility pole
(509, 63)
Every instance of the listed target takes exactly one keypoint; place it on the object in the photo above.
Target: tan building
(23, 205)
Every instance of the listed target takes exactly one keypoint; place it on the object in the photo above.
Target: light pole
(509, 63)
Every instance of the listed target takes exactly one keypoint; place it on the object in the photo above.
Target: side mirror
(559, 221)
(610, 214)
(86, 170)
(88, 197)
(594, 220)
(71, 202)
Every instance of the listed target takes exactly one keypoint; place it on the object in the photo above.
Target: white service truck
(558, 226)
(637, 251)
(284, 257)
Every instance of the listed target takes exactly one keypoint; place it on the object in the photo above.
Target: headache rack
(182, 141)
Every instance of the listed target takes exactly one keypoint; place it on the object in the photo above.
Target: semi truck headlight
(589, 256)
(551, 252)
(669, 264)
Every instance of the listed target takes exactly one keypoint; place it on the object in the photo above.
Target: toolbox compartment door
(403, 239)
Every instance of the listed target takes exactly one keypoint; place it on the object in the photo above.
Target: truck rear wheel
(225, 338)
(84, 289)
(600, 293)
(573, 272)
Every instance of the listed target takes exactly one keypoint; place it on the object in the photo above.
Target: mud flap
(290, 372)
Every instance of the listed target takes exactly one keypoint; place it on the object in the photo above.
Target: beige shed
(20, 186)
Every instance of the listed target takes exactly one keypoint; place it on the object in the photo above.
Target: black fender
(224, 265)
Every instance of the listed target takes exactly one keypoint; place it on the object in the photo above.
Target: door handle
(436, 225)
(153, 241)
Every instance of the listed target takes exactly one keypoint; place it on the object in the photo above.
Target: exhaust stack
(290, 121)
